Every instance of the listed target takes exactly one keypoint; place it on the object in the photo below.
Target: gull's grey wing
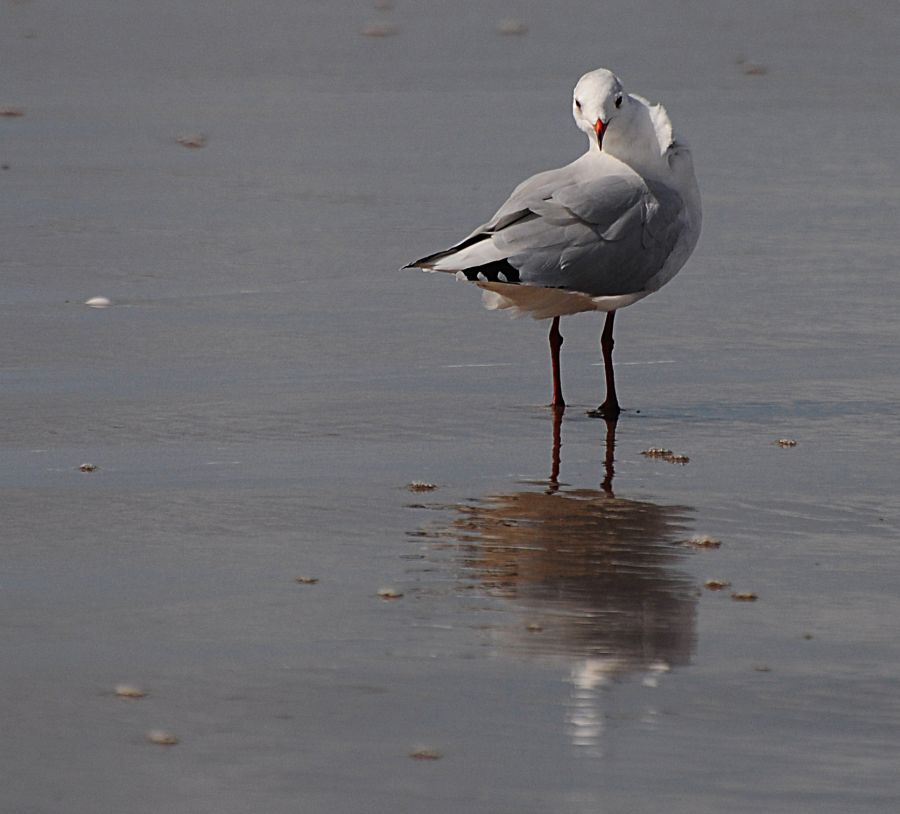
(516, 207)
(600, 233)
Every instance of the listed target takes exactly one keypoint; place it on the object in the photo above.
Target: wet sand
(265, 385)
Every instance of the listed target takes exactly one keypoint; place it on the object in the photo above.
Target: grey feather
(594, 226)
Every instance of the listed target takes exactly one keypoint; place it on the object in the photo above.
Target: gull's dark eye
(618, 100)
(578, 104)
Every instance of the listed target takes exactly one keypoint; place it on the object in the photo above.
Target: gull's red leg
(610, 407)
(556, 341)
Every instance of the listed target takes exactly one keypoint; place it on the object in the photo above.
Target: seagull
(599, 234)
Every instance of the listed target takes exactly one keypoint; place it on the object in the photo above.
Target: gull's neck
(635, 140)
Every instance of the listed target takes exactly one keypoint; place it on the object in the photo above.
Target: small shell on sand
(421, 486)
(192, 140)
(306, 580)
(161, 737)
(88, 468)
(786, 442)
(716, 584)
(511, 27)
(744, 596)
(657, 452)
(379, 30)
(98, 302)
(703, 541)
(749, 68)
(129, 691)
(425, 754)
(389, 593)
(665, 455)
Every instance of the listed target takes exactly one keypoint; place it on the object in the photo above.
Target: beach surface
(314, 510)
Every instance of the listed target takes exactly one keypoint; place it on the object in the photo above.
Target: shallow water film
(286, 529)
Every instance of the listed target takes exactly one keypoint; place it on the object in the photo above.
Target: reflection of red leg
(610, 407)
(557, 443)
(556, 341)
(609, 458)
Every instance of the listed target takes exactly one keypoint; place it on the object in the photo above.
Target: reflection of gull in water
(594, 577)
(595, 572)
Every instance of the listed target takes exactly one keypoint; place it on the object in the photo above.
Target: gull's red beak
(599, 130)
